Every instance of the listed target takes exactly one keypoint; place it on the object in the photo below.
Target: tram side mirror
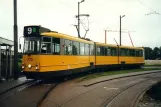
(19, 46)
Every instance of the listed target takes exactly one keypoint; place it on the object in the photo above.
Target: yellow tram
(48, 54)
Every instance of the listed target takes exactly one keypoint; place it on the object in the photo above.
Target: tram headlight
(29, 65)
(37, 67)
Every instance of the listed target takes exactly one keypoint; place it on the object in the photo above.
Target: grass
(100, 74)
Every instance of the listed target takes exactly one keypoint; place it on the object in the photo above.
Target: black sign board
(31, 31)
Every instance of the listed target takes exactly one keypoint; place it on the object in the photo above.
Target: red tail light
(23, 66)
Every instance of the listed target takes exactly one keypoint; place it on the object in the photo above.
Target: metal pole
(78, 22)
(120, 30)
(105, 36)
(7, 73)
(15, 41)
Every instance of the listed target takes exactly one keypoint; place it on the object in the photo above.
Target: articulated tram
(49, 54)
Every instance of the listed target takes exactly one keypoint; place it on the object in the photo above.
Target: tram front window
(46, 45)
(32, 45)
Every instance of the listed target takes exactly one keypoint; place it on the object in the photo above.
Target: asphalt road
(122, 92)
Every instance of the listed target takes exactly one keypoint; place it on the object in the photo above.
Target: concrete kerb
(120, 76)
(140, 96)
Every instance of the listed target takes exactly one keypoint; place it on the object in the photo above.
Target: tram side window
(106, 51)
(91, 49)
(122, 52)
(102, 51)
(130, 52)
(134, 53)
(126, 52)
(68, 47)
(81, 48)
(86, 49)
(113, 52)
(56, 46)
(137, 52)
(46, 45)
(140, 53)
(75, 48)
(109, 51)
(98, 51)
(26, 46)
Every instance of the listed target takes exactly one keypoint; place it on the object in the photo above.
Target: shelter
(6, 58)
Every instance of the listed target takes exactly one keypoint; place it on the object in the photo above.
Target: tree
(155, 53)
(148, 53)
(160, 52)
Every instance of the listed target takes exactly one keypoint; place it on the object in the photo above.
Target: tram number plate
(30, 59)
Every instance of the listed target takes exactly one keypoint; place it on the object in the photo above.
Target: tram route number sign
(34, 30)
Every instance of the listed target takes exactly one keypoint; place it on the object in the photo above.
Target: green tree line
(152, 54)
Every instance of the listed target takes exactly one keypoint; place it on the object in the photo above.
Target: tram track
(30, 94)
(113, 92)
(108, 100)
(46, 94)
(111, 100)
(35, 94)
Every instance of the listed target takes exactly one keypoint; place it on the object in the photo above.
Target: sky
(142, 19)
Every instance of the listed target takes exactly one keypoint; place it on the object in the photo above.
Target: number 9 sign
(29, 30)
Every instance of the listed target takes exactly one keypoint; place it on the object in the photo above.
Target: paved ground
(121, 92)
(5, 85)
(25, 97)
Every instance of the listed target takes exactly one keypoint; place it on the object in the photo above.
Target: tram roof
(64, 36)
(6, 42)
(103, 44)
(131, 47)
(114, 45)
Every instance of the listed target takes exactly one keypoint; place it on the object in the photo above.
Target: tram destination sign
(30, 31)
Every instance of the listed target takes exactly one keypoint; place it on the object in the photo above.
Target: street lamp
(15, 40)
(79, 19)
(120, 27)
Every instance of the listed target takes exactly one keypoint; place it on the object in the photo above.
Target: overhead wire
(152, 11)
(67, 5)
(145, 5)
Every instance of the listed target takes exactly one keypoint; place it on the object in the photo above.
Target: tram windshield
(43, 45)
(32, 45)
